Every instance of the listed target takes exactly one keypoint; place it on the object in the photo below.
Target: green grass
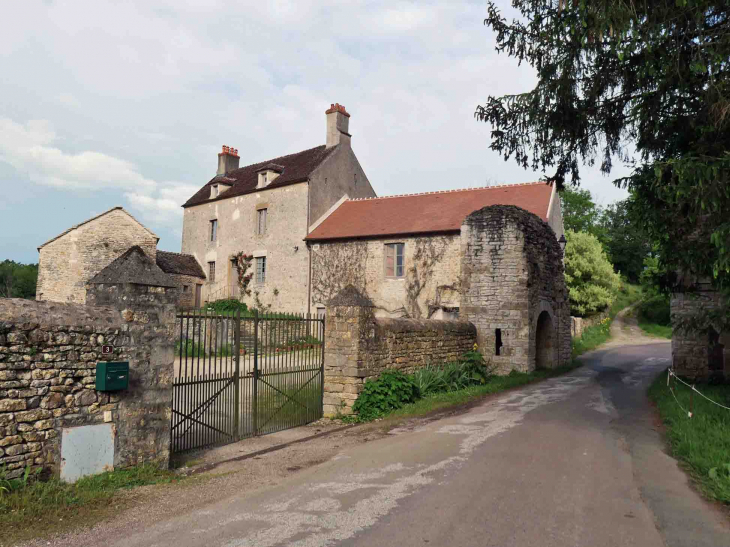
(628, 295)
(596, 335)
(662, 331)
(495, 384)
(700, 443)
(40, 507)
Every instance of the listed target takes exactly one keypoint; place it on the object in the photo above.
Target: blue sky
(111, 103)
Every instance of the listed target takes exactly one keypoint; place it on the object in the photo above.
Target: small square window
(213, 230)
(211, 272)
(394, 260)
(260, 269)
(261, 221)
(186, 288)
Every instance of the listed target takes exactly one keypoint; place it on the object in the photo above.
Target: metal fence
(242, 375)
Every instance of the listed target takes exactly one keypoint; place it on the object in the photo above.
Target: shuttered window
(261, 224)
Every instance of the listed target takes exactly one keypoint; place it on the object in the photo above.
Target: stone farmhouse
(267, 209)
(405, 251)
(70, 260)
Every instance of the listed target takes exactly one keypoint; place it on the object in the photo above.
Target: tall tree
(580, 212)
(618, 76)
(625, 241)
(18, 280)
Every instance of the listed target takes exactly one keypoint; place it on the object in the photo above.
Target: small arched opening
(544, 341)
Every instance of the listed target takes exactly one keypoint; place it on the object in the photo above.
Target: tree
(615, 76)
(625, 241)
(589, 275)
(17, 280)
(580, 213)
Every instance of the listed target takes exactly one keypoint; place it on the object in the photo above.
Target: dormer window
(267, 174)
(217, 189)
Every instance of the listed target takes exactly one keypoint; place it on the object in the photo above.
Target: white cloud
(163, 83)
(28, 149)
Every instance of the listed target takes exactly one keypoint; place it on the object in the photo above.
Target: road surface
(572, 461)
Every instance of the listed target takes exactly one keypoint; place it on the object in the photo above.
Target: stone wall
(513, 289)
(579, 324)
(186, 293)
(699, 355)
(66, 263)
(359, 346)
(48, 357)
(430, 283)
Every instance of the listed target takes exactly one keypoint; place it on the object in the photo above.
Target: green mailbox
(112, 376)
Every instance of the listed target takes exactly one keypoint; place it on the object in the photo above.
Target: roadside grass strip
(660, 331)
(30, 507)
(698, 430)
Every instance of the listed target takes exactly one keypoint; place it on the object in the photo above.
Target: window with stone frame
(394, 260)
(211, 272)
(260, 269)
(213, 230)
(261, 221)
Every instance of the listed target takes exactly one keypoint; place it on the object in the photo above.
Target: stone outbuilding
(405, 251)
(513, 289)
(70, 260)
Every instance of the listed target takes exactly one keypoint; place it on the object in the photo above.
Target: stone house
(67, 262)
(267, 209)
(405, 252)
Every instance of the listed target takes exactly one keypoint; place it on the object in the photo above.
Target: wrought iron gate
(242, 375)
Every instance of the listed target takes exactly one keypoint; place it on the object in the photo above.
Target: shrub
(470, 371)
(589, 275)
(388, 392)
(655, 309)
(227, 306)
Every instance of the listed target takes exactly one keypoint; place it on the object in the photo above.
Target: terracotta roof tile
(426, 213)
(294, 168)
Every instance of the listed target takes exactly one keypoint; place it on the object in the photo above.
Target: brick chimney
(227, 160)
(338, 122)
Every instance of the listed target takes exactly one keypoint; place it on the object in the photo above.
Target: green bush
(227, 306)
(655, 309)
(471, 371)
(390, 391)
(589, 275)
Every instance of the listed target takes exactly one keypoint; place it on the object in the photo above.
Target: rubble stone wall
(48, 357)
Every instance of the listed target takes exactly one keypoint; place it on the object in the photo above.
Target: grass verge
(700, 443)
(596, 335)
(40, 508)
(496, 384)
(654, 329)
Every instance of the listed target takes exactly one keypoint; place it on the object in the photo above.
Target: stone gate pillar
(349, 324)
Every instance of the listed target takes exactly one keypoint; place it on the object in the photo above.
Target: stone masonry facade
(429, 286)
(699, 356)
(67, 262)
(359, 346)
(513, 289)
(48, 357)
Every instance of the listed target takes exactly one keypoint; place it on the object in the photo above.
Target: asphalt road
(573, 461)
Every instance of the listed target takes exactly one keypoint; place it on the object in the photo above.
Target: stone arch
(545, 339)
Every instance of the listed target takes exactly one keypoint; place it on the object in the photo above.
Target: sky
(106, 104)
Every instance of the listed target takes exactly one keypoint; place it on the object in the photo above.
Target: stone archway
(544, 341)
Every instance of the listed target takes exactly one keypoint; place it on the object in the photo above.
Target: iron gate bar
(281, 407)
(209, 400)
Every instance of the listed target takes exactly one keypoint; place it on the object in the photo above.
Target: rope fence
(690, 412)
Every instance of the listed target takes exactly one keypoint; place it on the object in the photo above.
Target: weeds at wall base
(38, 508)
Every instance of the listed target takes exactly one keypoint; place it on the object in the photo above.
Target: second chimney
(338, 123)
(227, 160)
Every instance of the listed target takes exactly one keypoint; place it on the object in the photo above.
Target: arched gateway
(513, 289)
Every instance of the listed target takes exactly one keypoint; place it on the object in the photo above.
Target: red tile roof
(293, 168)
(426, 213)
